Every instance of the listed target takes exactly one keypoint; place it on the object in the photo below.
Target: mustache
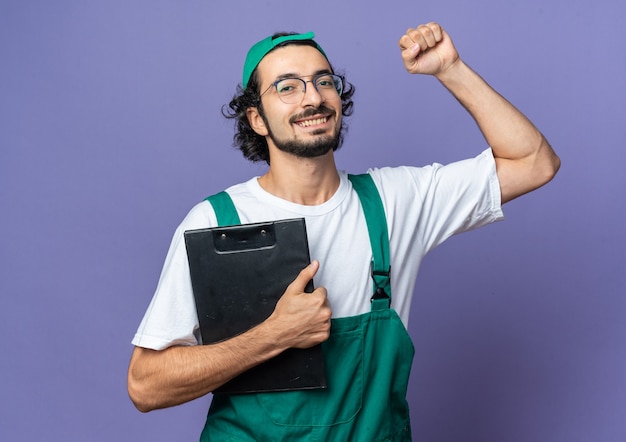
(310, 112)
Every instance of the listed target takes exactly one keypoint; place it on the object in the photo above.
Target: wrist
(267, 335)
(454, 72)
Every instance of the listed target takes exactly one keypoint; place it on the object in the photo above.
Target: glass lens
(328, 85)
(290, 89)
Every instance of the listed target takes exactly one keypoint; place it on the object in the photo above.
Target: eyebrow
(294, 75)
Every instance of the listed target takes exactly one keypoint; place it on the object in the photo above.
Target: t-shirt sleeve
(171, 317)
(433, 203)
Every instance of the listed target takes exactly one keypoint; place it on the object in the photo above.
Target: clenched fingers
(424, 36)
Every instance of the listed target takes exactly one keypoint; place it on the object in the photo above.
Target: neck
(305, 181)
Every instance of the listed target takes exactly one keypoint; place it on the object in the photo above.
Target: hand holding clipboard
(238, 275)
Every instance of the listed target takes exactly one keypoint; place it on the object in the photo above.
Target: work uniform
(368, 359)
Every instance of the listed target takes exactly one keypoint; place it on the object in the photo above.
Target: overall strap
(374, 212)
(224, 209)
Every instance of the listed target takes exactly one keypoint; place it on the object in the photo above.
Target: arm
(164, 378)
(524, 159)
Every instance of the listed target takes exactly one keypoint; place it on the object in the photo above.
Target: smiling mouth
(313, 122)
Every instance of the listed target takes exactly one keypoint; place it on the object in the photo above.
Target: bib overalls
(368, 360)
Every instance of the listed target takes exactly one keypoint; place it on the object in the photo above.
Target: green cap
(260, 50)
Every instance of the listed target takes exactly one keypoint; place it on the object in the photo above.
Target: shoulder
(484, 160)
(423, 177)
(202, 215)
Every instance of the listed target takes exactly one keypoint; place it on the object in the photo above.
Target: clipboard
(238, 273)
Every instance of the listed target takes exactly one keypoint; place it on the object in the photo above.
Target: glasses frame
(338, 79)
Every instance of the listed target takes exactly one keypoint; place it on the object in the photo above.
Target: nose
(311, 95)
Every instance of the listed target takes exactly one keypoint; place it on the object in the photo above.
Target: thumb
(306, 274)
(409, 56)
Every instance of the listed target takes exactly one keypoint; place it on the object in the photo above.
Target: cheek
(338, 120)
(282, 125)
(277, 120)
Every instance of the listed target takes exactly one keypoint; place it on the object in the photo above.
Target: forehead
(296, 60)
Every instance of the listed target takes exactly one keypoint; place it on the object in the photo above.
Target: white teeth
(308, 123)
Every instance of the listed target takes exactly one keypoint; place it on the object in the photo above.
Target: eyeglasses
(292, 90)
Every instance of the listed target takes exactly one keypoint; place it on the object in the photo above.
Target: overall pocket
(343, 399)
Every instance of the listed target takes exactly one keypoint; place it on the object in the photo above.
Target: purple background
(110, 130)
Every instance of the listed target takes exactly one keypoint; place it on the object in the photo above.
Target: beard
(321, 145)
(308, 149)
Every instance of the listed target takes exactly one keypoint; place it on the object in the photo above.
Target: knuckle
(326, 315)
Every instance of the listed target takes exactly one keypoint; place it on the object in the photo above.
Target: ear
(256, 121)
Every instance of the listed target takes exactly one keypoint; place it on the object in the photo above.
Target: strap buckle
(380, 279)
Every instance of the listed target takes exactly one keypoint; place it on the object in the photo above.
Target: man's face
(311, 126)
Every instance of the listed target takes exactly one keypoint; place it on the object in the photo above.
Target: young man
(289, 112)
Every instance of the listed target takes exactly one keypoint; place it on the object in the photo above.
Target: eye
(287, 86)
(327, 82)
